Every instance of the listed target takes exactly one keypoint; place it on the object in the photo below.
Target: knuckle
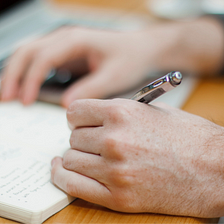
(118, 113)
(110, 142)
(113, 146)
(119, 175)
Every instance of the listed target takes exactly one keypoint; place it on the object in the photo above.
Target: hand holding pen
(132, 157)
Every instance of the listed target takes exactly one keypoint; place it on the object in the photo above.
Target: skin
(106, 63)
(125, 155)
(114, 61)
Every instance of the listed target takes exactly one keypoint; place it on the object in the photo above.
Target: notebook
(29, 138)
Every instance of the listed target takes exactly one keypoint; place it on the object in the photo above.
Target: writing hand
(133, 157)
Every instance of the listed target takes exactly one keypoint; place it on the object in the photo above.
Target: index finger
(19, 62)
(12, 73)
(87, 113)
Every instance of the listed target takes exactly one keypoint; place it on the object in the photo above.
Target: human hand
(115, 62)
(133, 157)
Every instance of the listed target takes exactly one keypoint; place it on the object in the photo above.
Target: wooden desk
(124, 6)
(207, 101)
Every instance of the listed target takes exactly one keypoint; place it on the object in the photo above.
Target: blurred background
(24, 20)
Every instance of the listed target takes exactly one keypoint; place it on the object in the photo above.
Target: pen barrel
(158, 87)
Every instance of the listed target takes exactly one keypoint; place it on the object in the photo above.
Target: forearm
(202, 164)
(196, 46)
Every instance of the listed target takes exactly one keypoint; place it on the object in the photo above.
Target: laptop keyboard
(25, 25)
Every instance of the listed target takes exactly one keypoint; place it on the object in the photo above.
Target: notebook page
(40, 125)
(29, 138)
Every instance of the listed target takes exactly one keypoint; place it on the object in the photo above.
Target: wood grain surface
(135, 6)
(208, 100)
(86, 213)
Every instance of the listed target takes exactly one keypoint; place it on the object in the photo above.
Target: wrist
(195, 46)
(207, 165)
(213, 168)
(161, 46)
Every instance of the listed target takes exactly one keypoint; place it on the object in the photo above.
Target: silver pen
(158, 87)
